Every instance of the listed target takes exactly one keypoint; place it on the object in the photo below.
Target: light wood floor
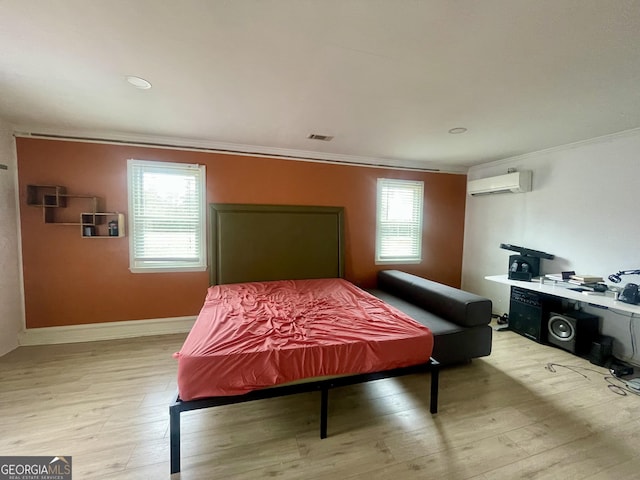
(502, 417)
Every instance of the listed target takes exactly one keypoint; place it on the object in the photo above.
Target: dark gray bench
(459, 320)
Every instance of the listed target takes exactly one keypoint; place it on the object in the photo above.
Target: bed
(279, 319)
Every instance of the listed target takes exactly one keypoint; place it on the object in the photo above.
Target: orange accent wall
(69, 280)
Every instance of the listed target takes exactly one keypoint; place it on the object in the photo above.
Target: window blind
(167, 216)
(399, 220)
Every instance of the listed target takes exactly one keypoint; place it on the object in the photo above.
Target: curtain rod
(281, 156)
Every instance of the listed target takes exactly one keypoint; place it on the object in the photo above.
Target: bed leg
(435, 377)
(174, 438)
(324, 404)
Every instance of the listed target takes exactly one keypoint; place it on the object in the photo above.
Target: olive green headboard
(252, 243)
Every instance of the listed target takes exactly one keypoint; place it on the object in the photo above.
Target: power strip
(634, 384)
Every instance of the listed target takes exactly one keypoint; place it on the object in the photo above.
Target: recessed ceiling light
(457, 130)
(138, 82)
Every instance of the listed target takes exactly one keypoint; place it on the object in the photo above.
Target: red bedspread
(255, 335)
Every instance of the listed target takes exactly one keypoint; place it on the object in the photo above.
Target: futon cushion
(464, 308)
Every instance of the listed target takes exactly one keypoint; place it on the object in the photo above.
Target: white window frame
(413, 190)
(136, 217)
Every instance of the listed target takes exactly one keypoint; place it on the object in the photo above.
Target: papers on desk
(575, 279)
(587, 284)
(587, 278)
(556, 277)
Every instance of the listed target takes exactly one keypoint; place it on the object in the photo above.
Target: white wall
(11, 310)
(583, 209)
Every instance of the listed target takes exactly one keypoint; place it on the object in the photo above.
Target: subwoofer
(573, 331)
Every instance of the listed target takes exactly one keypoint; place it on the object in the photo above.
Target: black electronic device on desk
(631, 291)
(526, 265)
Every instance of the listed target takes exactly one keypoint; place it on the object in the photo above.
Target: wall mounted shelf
(62, 208)
(69, 209)
(101, 225)
(46, 195)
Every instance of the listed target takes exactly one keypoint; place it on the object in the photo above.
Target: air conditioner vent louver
(516, 182)
(324, 138)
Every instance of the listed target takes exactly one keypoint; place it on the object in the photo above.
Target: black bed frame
(179, 406)
(280, 242)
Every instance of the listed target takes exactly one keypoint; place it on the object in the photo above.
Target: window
(166, 216)
(399, 221)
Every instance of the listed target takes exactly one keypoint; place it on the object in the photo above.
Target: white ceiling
(387, 79)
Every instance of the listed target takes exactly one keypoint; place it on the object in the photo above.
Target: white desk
(560, 290)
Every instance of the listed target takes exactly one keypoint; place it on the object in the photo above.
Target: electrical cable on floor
(619, 389)
(574, 368)
(617, 385)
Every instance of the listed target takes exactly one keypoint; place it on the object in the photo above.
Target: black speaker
(573, 331)
(601, 351)
(529, 312)
(630, 294)
(523, 267)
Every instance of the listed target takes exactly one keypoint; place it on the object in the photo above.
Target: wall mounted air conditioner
(516, 182)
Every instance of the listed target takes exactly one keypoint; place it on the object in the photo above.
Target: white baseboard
(105, 331)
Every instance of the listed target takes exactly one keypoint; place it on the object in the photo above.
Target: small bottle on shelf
(113, 228)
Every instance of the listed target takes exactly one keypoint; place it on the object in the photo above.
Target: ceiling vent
(515, 182)
(324, 138)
